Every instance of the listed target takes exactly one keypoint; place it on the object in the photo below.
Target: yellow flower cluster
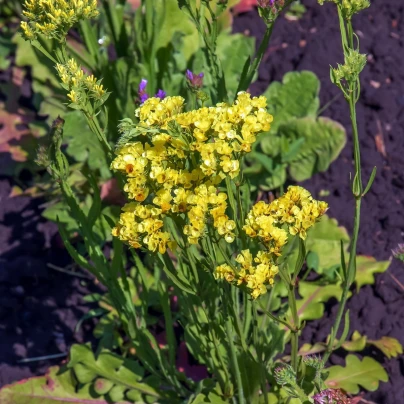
(255, 273)
(54, 18)
(79, 84)
(298, 211)
(296, 208)
(183, 156)
(142, 223)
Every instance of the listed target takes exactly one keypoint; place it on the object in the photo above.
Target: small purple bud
(142, 85)
(195, 80)
(160, 94)
(189, 75)
(143, 96)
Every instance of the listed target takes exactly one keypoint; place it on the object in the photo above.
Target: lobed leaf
(56, 387)
(323, 141)
(366, 373)
(391, 347)
(295, 97)
(366, 268)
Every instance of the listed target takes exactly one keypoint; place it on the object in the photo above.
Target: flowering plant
(225, 272)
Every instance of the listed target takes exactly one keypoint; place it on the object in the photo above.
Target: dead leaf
(379, 140)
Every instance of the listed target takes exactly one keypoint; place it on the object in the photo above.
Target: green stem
(244, 84)
(259, 352)
(234, 361)
(357, 190)
(350, 278)
(295, 332)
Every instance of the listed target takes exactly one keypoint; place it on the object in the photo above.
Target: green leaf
(176, 21)
(391, 347)
(58, 386)
(45, 83)
(356, 344)
(60, 211)
(323, 243)
(83, 144)
(323, 141)
(366, 267)
(125, 373)
(230, 50)
(311, 305)
(366, 373)
(295, 97)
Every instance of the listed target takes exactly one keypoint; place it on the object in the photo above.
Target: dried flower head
(398, 252)
(331, 396)
(194, 80)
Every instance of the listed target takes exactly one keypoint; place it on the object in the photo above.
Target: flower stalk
(346, 77)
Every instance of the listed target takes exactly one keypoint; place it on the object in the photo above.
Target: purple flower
(143, 96)
(160, 94)
(330, 396)
(195, 80)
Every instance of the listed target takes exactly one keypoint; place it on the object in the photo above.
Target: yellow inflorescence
(181, 158)
(297, 211)
(80, 85)
(54, 18)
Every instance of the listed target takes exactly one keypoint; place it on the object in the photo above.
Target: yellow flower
(181, 157)
(54, 18)
(224, 272)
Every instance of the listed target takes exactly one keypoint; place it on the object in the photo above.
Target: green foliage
(366, 373)
(296, 97)
(108, 373)
(299, 143)
(324, 240)
(216, 320)
(232, 48)
(366, 268)
(311, 305)
(323, 141)
(83, 145)
(57, 386)
(107, 378)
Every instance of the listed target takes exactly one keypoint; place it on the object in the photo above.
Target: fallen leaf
(379, 140)
(391, 347)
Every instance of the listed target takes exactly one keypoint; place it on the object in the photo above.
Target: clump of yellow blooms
(294, 213)
(179, 161)
(80, 85)
(54, 18)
